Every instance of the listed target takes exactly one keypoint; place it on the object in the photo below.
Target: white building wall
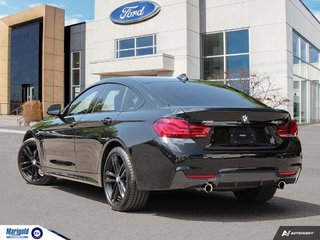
(301, 20)
(179, 26)
(177, 35)
(193, 67)
(270, 23)
(266, 20)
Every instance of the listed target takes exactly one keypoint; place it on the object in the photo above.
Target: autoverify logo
(135, 12)
(298, 233)
(17, 233)
(290, 233)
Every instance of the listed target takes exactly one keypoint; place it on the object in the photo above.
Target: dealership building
(219, 40)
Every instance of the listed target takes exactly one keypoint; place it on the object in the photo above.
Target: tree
(260, 86)
(264, 88)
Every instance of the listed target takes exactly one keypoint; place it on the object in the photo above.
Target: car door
(59, 138)
(97, 127)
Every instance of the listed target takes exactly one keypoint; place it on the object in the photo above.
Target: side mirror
(54, 110)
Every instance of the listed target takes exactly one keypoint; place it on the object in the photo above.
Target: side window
(111, 99)
(85, 102)
(131, 101)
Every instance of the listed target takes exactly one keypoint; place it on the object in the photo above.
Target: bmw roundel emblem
(245, 119)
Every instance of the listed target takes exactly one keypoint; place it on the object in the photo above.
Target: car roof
(139, 79)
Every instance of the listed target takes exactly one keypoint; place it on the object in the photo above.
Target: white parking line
(11, 131)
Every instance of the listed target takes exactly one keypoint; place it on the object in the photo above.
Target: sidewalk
(11, 122)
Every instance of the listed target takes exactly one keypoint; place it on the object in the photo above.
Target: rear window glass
(203, 94)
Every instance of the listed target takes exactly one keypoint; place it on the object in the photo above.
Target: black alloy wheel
(119, 183)
(29, 164)
(116, 179)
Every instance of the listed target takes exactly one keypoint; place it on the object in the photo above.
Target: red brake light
(200, 176)
(179, 128)
(287, 173)
(289, 130)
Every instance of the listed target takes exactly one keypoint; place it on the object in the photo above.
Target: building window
(137, 46)
(303, 50)
(306, 75)
(313, 55)
(237, 42)
(226, 56)
(25, 64)
(296, 45)
(75, 74)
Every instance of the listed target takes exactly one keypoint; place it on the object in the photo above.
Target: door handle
(107, 121)
(73, 124)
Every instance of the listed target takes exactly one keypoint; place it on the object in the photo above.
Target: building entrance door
(27, 93)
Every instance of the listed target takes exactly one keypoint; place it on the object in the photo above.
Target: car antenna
(183, 77)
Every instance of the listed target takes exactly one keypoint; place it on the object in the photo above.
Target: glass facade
(226, 57)
(25, 64)
(137, 46)
(74, 61)
(75, 74)
(306, 77)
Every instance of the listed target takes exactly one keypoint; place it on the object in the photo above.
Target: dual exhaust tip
(208, 187)
(281, 184)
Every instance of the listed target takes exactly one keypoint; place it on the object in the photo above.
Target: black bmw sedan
(134, 135)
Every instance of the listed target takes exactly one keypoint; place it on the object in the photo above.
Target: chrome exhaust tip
(208, 187)
(281, 184)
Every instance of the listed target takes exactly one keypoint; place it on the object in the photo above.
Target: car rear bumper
(165, 163)
(234, 179)
(233, 171)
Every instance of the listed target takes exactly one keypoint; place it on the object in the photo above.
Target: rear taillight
(289, 130)
(179, 128)
(200, 176)
(287, 173)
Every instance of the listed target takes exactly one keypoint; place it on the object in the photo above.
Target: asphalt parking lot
(79, 211)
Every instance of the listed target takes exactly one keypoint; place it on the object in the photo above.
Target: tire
(119, 183)
(256, 195)
(29, 164)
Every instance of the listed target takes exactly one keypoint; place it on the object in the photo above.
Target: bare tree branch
(260, 86)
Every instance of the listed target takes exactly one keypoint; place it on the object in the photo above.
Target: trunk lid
(238, 128)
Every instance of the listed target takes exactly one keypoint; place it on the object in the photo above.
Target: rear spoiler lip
(283, 120)
(187, 109)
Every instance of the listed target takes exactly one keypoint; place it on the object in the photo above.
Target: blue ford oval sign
(135, 12)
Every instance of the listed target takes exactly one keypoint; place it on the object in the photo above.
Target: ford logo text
(135, 12)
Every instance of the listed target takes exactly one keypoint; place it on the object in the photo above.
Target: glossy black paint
(75, 146)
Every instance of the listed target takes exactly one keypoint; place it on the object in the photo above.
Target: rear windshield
(203, 94)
